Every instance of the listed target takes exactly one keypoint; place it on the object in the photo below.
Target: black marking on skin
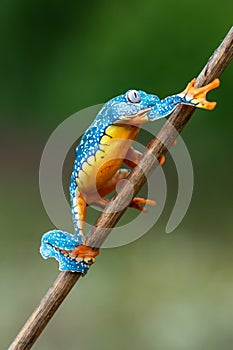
(190, 101)
(77, 177)
(88, 163)
(104, 144)
(107, 134)
(62, 251)
(68, 254)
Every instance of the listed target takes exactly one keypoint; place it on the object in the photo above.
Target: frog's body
(98, 169)
(103, 148)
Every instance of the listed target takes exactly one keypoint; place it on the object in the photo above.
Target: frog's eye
(133, 96)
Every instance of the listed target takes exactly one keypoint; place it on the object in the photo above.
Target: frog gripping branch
(97, 168)
(65, 280)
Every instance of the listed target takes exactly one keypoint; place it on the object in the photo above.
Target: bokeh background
(163, 291)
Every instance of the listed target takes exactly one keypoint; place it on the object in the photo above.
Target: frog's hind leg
(70, 250)
(137, 202)
(59, 245)
(81, 252)
(110, 185)
(79, 212)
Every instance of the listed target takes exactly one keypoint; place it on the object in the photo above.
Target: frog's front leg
(133, 158)
(197, 96)
(191, 96)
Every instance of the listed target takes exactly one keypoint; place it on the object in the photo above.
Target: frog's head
(134, 107)
(137, 107)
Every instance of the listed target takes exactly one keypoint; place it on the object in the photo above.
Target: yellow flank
(122, 131)
(112, 150)
(82, 178)
(91, 160)
(86, 167)
(105, 139)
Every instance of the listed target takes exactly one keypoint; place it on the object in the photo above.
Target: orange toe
(83, 251)
(138, 203)
(197, 96)
(162, 159)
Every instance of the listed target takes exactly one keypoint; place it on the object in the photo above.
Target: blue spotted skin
(112, 112)
(65, 241)
(93, 147)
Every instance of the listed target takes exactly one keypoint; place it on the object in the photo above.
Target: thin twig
(112, 213)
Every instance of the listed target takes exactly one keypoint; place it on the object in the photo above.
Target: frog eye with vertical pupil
(133, 96)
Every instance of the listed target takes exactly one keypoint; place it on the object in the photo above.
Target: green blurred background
(162, 291)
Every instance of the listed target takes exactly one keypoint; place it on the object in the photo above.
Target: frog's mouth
(137, 119)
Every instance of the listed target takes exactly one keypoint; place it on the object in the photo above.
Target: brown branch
(108, 219)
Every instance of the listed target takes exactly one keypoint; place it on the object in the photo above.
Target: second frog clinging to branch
(105, 145)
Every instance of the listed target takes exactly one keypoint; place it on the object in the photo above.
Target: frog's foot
(162, 159)
(60, 245)
(197, 96)
(85, 254)
(138, 203)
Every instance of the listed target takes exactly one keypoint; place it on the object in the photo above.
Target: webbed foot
(85, 253)
(60, 245)
(197, 96)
